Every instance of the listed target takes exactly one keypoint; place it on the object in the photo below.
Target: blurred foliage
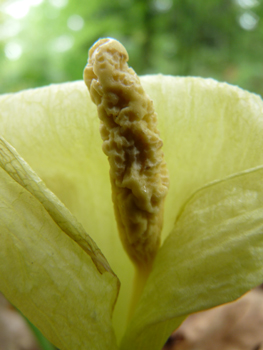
(216, 38)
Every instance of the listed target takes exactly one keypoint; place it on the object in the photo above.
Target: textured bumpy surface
(132, 143)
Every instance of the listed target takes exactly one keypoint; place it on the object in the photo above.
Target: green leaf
(50, 269)
(213, 255)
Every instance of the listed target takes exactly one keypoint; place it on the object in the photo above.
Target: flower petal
(210, 130)
(47, 261)
(213, 255)
(56, 130)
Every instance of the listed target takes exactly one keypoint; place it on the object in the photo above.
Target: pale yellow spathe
(212, 132)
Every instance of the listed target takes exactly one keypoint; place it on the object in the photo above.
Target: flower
(50, 266)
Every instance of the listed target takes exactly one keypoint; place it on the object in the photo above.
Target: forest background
(47, 41)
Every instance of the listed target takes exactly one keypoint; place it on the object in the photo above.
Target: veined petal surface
(56, 130)
(210, 130)
(50, 269)
(213, 255)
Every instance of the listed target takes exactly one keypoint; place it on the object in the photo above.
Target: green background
(222, 39)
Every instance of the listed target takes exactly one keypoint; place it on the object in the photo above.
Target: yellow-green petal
(50, 269)
(210, 130)
(213, 255)
(56, 130)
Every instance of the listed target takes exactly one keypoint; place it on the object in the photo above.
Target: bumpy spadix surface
(212, 250)
(138, 173)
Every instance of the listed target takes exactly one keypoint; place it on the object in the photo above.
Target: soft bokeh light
(20, 8)
(246, 4)
(17, 9)
(163, 5)
(75, 22)
(13, 51)
(214, 38)
(9, 29)
(248, 21)
(59, 3)
(62, 43)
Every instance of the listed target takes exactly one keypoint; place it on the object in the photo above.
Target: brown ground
(234, 326)
(14, 331)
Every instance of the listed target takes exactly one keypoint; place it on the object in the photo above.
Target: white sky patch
(58, 3)
(19, 8)
(248, 21)
(75, 22)
(13, 51)
(62, 43)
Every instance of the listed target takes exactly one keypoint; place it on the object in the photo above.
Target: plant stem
(140, 277)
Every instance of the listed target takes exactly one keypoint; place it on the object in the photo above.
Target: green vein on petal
(213, 255)
(43, 269)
